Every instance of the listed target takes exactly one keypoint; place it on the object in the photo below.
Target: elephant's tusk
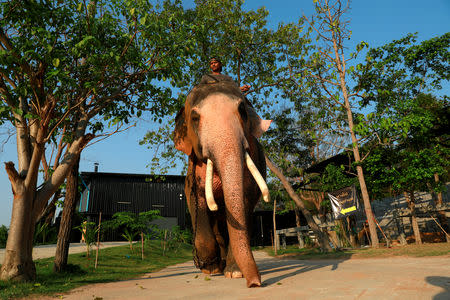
(208, 186)
(258, 178)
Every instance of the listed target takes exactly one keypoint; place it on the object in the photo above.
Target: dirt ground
(377, 278)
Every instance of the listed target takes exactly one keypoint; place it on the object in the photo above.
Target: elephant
(218, 130)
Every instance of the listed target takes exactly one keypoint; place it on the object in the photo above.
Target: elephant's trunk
(230, 165)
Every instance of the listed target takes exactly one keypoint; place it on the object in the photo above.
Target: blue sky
(376, 22)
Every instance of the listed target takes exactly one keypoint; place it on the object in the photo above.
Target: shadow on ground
(443, 282)
(275, 265)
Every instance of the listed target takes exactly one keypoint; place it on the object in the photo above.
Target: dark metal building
(109, 193)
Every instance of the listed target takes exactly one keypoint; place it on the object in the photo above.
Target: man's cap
(214, 59)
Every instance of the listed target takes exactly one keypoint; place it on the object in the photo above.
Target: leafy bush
(172, 239)
(45, 234)
(88, 231)
(3, 235)
(131, 224)
(182, 236)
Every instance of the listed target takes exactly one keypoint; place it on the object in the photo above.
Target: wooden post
(98, 238)
(271, 239)
(275, 235)
(385, 238)
(165, 239)
(142, 244)
(446, 234)
(262, 230)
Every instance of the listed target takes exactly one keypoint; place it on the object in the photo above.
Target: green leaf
(55, 62)
(18, 111)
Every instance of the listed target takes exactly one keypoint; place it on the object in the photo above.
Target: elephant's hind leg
(231, 269)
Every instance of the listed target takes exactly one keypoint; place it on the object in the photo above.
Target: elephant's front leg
(252, 195)
(232, 270)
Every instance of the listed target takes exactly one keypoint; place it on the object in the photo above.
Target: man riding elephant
(216, 74)
(216, 66)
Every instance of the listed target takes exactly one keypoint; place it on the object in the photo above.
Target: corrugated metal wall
(110, 193)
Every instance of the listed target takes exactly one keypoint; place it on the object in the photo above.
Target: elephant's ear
(180, 139)
(257, 125)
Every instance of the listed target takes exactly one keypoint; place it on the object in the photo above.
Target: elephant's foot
(254, 283)
(235, 274)
(233, 271)
(214, 268)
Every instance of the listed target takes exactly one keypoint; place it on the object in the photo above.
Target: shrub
(3, 235)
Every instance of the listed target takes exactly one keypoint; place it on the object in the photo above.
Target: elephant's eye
(195, 116)
(242, 111)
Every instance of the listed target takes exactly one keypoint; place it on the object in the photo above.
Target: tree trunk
(399, 224)
(322, 238)
(18, 263)
(65, 227)
(301, 244)
(361, 179)
(442, 218)
(415, 226)
(350, 222)
(340, 64)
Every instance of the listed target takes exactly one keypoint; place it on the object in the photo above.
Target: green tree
(131, 224)
(336, 177)
(324, 75)
(410, 121)
(247, 49)
(289, 144)
(63, 61)
(414, 161)
(252, 54)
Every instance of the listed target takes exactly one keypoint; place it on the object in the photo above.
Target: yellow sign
(347, 210)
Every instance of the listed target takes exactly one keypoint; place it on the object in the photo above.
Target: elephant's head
(219, 128)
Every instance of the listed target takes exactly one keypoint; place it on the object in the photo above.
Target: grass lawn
(411, 250)
(116, 263)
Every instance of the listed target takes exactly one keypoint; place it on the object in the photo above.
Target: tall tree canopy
(77, 64)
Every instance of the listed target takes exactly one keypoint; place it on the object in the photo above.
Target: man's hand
(244, 88)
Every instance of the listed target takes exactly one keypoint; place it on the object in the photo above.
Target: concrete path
(386, 278)
(45, 251)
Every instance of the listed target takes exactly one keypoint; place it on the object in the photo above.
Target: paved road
(387, 278)
(45, 251)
